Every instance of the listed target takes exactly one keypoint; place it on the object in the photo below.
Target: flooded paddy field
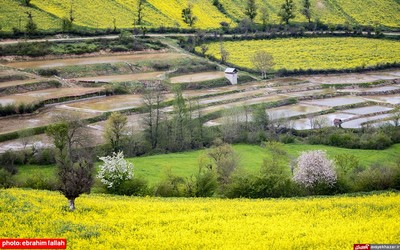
(319, 121)
(357, 123)
(198, 77)
(37, 141)
(293, 110)
(367, 110)
(390, 99)
(353, 77)
(317, 92)
(337, 101)
(372, 90)
(94, 60)
(264, 99)
(42, 95)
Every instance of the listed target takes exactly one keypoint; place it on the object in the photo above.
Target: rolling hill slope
(101, 13)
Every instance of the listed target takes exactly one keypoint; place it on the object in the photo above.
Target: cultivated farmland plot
(94, 60)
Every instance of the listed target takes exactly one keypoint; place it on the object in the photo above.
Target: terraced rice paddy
(198, 77)
(123, 78)
(94, 60)
(45, 117)
(357, 123)
(42, 95)
(337, 101)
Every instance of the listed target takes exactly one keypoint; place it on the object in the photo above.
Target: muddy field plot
(42, 95)
(109, 103)
(94, 60)
(46, 117)
(336, 101)
(123, 78)
(354, 77)
(198, 77)
(231, 97)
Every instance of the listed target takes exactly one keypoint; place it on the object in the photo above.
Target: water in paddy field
(367, 110)
(337, 101)
(357, 123)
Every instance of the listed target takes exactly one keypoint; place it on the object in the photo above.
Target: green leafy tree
(306, 10)
(187, 15)
(225, 160)
(139, 13)
(263, 62)
(115, 130)
(75, 168)
(264, 17)
(251, 9)
(31, 26)
(287, 11)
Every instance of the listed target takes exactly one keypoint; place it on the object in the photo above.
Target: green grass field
(100, 14)
(185, 164)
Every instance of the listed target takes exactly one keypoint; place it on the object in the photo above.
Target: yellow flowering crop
(312, 53)
(112, 222)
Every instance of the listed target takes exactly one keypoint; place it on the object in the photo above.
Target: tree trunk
(71, 204)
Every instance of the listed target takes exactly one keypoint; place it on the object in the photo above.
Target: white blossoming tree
(314, 168)
(115, 170)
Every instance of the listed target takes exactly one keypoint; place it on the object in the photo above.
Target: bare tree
(264, 17)
(306, 10)
(152, 99)
(263, 62)
(115, 130)
(226, 161)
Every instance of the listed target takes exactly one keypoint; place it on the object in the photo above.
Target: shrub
(115, 171)
(314, 170)
(48, 72)
(39, 181)
(6, 179)
(170, 185)
(377, 177)
(133, 187)
(242, 185)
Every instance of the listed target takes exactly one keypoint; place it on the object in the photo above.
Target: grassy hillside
(101, 13)
(251, 158)
(112, 222)
(312, 53)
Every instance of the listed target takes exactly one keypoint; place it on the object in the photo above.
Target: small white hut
(231, 75)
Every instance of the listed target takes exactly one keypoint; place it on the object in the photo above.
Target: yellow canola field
(112, 222)
(13, 15)
(312, 53)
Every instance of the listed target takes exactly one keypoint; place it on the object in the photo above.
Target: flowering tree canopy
(314, 167)
(115, 170)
